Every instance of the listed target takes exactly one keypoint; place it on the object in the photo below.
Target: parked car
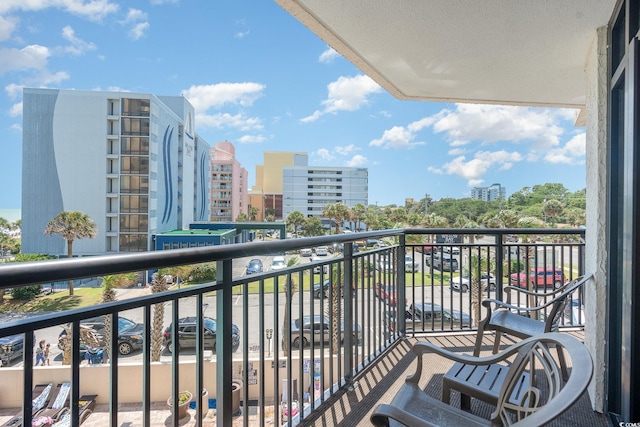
(317, 330)
(540, 277)
(426, 249)
(11, 348)
(278, 263)
(443, 261)
(187, 329)
(428, 314)
(461, 283)
(254, 266)
(454, 250)
(384, 264)
(306, 252)
(386, 292)
(130, 334)
(321, 290)
(410, 264)
(317, 269)
(322, 251)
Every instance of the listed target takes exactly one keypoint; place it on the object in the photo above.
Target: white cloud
(138, 22)
(203, 97)
(16, 127)
(346, 94)
(161, 2)
(226, 120)
(435, 170)
(94, 10)
(324, 154)
(16, 110)
(7, 25)
(78, 46)
(346, 150)
(400, 137)
(241, 34)
(328, 55)
(495, 123)
(13, 90)
(472, 170)
(252, 139)
(27, 58)
(357, 160)
(573, 152)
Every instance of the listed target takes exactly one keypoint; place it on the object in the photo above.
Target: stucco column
(597, 216)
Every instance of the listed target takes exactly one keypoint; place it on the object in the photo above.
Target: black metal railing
(316, 324)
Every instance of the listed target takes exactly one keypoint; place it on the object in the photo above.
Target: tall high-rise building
(309, 189)
(493, 192)
(131, 161)
(266, 195)
(229, 192)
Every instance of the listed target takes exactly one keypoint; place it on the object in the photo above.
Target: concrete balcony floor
(353, 407)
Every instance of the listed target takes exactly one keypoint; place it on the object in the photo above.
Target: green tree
(72, 225)
(294, 220)
(242, 217)
(312, 227)
(109, 285)
(253, 213)
(330, 213)
(158, 284)
(358, 214)
(553, 209)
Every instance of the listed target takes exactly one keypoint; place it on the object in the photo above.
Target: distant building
(266, 195)
(229, 192)
(494, 192)
(309, 189)
(131, 161)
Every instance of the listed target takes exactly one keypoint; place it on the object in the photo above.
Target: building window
(134, 223)
(134, 126)
(136, 107)
(134, 165)
(134, 184)
(134, 204)
(134, 145)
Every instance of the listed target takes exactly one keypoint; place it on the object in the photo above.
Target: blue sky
(261, 80)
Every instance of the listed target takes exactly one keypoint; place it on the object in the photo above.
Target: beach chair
(41, 395)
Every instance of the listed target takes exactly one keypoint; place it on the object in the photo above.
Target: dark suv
(443, 261)
(187, 335)
(130, 334)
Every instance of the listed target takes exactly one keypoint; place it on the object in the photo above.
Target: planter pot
(183, 405)
(236, 391)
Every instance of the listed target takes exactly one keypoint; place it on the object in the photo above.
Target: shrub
(26, 293)
(203, 272)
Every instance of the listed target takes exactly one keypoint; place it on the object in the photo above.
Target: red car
(386, 293)
(540, 277)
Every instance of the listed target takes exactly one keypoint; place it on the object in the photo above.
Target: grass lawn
(59, 301)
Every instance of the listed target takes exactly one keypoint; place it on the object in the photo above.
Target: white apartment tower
(130, 161)
(309, 189)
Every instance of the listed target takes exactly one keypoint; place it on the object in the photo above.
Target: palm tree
(342, 212)
(158, 284)
(337, 277)
(290, 287)
(109, 285)
(479, 264)
(72, 225)
(253, 213)
(294, 220)
(329, 212)
(358, 214)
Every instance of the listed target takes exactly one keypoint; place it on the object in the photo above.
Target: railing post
(401, 291)
(347, 292)
(224, 365)
(499, 265)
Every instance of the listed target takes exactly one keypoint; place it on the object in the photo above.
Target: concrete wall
(95, 380)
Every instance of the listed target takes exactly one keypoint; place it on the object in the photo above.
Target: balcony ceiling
(516, 52)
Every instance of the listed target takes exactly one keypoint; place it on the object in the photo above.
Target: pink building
(228, 184)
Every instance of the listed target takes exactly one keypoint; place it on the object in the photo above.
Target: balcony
(275, 356)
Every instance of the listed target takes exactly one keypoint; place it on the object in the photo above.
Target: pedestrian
(47, 349)
(40, 353)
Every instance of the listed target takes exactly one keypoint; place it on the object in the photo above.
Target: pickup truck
(11, 347)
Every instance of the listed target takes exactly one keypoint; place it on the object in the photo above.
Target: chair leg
(446, 392)
(563, 363)
(465, 402)
(476, 351)
(496, 343)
